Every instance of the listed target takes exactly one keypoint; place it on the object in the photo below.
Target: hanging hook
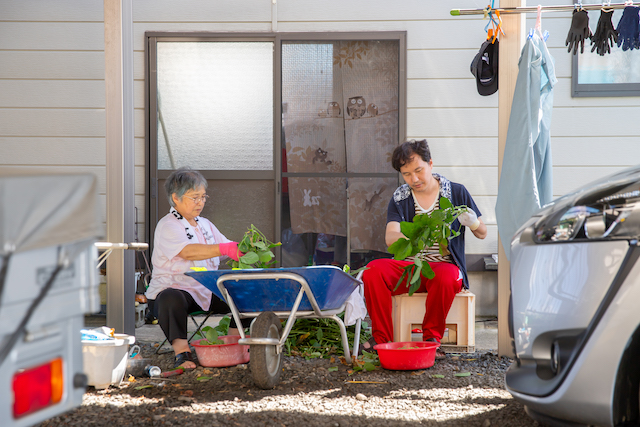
(494, 20)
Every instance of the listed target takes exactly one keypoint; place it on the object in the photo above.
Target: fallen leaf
(203, 378)
(187, 393)
(369, 366)
(418, 373)
(366, 382)
(462, 374)
(332, 369)
(437, 376)
(143, 386)
(131, 379)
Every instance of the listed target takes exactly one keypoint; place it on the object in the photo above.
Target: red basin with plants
(222, 355)
(405, 356)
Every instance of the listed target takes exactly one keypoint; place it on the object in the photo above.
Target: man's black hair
(405, 151)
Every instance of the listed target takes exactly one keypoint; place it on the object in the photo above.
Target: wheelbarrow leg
(345, 340)
(356, 338)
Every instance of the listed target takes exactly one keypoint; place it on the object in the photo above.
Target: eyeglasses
(197, 200)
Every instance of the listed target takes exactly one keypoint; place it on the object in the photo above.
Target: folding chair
(198, 327)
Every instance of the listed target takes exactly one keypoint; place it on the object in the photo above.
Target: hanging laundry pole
(534, 9)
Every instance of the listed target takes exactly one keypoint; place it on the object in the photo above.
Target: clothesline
(534, 9)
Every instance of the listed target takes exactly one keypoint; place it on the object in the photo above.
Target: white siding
(52, 86)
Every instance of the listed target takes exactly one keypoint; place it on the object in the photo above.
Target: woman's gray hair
(182, 180)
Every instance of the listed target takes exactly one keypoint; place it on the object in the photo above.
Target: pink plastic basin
(221, 355)
(393, 356)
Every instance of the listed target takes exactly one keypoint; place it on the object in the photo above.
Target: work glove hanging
(579, 31)
(628, 35)
(605, 36)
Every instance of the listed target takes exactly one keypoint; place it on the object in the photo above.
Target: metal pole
(118, 51)
(534, 9)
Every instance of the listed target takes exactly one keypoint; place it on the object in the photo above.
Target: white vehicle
(575, 307)
(48, 281)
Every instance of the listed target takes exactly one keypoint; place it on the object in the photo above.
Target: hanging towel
(526, 178)
(355, 308)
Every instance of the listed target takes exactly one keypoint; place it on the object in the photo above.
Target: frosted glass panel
(233, 219)
(215, 105)
(339, 97)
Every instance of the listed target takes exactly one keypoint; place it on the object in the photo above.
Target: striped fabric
(431, 254)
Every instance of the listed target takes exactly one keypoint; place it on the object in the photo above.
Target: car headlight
(594, 216)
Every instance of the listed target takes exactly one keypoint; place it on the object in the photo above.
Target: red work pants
(381, 278)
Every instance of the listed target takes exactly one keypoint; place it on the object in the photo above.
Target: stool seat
(408, 313)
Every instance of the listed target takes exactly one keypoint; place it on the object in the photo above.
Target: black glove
(628, 35)
(579, 31)
(605, 36)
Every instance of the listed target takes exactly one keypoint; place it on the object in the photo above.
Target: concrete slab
(486, 331)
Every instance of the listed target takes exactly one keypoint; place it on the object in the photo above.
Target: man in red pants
(420, 194)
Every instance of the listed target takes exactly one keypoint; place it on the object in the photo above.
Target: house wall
(52, 93)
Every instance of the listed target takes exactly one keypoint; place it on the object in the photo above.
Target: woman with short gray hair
(183, 239)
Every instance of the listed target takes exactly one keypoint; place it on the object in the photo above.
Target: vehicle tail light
(38, 387)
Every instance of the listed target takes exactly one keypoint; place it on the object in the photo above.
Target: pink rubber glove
(231, 250)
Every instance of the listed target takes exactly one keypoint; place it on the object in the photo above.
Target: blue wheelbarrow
(274, 293)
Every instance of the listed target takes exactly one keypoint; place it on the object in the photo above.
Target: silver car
(575, 307)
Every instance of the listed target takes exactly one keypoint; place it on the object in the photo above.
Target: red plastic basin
(414, 355)
(221, 355)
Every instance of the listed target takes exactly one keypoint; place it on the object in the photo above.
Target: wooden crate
(408, 313)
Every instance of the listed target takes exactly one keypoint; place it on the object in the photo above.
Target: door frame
(152, 174)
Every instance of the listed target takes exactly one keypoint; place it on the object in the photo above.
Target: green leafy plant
(320, 338)
(353, 273)
(257, 250)
(369, 361)
(210, 335)
(424, 232)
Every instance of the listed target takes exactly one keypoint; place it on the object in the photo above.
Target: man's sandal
(440, 354)
(368, 347)
(183, 357)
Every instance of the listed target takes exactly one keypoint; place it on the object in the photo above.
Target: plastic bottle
(152, 371)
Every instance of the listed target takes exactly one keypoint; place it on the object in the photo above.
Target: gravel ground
(310, 392)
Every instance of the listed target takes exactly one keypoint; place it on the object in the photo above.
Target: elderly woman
(183, 240)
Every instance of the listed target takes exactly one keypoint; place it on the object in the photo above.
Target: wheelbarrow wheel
(266, 362)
